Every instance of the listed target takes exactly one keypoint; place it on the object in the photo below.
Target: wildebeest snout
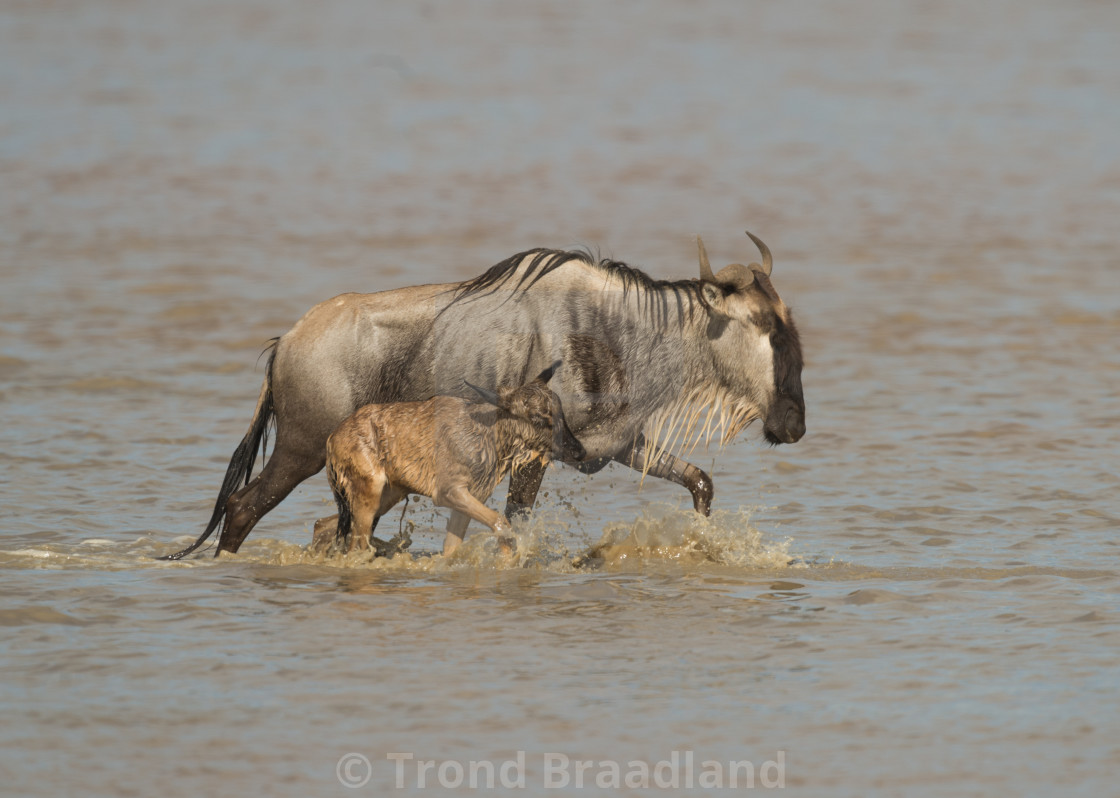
(785, 423)
(565, 445)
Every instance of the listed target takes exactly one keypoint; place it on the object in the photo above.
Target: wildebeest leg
(460, 500)
(523, 486)
(593, 466)
(277, 479)
(456, 529)
(676, 470)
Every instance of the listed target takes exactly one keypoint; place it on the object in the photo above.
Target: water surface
(919, 598)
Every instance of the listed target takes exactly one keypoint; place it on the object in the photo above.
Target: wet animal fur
(653, 367)
(453, 450)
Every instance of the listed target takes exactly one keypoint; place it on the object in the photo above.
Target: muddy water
(919, 598)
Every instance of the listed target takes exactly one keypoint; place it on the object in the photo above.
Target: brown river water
(918, 599)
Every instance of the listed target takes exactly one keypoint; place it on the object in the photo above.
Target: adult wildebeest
(643, 359)
(454, 450)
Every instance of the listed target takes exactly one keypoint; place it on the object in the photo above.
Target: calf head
(539, 406)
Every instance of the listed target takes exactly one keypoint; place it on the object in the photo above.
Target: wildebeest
(644, 359)
(454, 450)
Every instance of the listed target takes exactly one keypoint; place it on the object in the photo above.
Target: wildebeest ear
(488, 396)
(546, 375)
(714, 288)
(714, 298)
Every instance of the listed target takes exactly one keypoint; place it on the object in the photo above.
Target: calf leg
(464, 504)
(365, 504)
(676, 470)
(390, 497)
(456, 530)
(326, 532)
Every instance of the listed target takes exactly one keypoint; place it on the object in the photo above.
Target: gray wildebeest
(651, 367)
(454, 450)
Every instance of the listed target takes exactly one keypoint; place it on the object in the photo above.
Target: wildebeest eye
(764, 322)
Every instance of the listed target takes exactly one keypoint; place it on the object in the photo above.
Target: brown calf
(454, 450)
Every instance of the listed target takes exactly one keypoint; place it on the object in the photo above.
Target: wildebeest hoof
(700, 486)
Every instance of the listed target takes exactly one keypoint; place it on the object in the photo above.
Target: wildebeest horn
(705, 267)
(735, 276)
(767, 259)
(489, 396)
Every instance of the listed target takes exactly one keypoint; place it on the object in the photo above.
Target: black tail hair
(244, 457)
(345, 515)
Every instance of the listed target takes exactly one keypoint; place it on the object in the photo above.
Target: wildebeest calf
(454, 450)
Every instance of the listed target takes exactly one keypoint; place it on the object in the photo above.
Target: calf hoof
(395, 545)
(507, 547)
(592, 558)
(323, 537)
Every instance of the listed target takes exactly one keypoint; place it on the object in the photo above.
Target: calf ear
(488, 396)
(546, 375)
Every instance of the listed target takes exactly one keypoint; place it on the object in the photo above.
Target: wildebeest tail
(345, 515)
(244, 457)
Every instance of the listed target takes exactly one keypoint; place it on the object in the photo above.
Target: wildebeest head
(755, 342)
(537, 404)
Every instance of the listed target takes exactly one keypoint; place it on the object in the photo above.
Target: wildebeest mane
(540, 262)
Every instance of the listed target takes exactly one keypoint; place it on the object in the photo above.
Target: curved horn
(705, 267)
(767, 258)
(489, 396)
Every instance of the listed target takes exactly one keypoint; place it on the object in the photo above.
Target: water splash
(551, 540)
(543, 542)
(663, 532)
(675, 533)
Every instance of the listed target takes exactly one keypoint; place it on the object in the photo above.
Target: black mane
(656, 293)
